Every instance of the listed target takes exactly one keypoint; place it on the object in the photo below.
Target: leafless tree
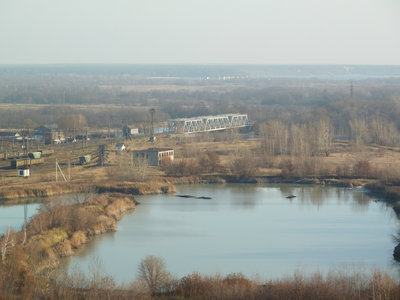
(210, 162)
(243, 166)
(153, 272)
(140, 169)
(383, 132)
(275, 136)
(299, 140)
(321, 134)
(359, 131)
(7, 242)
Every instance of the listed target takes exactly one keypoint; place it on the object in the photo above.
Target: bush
(210, 162)
(77, 239)
(362, 169)
(183, 167)
(243, 167)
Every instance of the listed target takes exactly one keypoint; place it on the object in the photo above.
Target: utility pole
(69, 170)
(102, 150)
(152, 137)
(59, 168)
(109, 128)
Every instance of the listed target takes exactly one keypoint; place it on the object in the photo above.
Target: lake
(253, 229)
(12, 216)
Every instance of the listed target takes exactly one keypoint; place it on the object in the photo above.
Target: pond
(253, 229)
(12, 216)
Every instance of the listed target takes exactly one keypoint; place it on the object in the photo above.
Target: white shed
(23, 172)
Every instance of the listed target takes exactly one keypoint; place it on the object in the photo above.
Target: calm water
(12, 216)
(251, 229)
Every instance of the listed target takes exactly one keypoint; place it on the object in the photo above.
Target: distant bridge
(207, 123)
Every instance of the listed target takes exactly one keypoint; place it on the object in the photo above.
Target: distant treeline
(355, 109)
(334, 72)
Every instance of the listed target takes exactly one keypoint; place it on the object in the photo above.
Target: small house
(120, 147)
(129, 131)
(23, 172)
(154, 156)
(85, 159)
(35, 155)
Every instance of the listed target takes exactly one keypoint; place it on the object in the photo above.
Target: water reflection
(320, 195)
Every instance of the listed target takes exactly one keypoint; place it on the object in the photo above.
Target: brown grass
(78, 238)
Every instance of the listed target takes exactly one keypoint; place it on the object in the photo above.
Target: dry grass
(77, 239)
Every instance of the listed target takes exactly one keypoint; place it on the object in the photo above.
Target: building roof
(6, 133)
(155, 150)
(42, 129)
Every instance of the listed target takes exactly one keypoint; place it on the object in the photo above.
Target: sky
(200, 31)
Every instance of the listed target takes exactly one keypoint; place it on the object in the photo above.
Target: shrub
(78, 238)
(362, 169)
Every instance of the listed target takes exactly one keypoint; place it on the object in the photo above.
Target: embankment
(19, 193)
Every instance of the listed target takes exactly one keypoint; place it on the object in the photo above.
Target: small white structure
(23, 172)
(120, 147)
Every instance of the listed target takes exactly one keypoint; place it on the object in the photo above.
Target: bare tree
(210, 162)
(321, 134)
(243, 166)
(359, 131)
(7, 242)
(275, 137)
(153, 272)
(383, 132)
(299, 140)
(140, 169)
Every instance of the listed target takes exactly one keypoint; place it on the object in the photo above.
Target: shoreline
(28, 193)
(19, 194)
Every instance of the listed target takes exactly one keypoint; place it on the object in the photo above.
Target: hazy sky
(200, 31)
